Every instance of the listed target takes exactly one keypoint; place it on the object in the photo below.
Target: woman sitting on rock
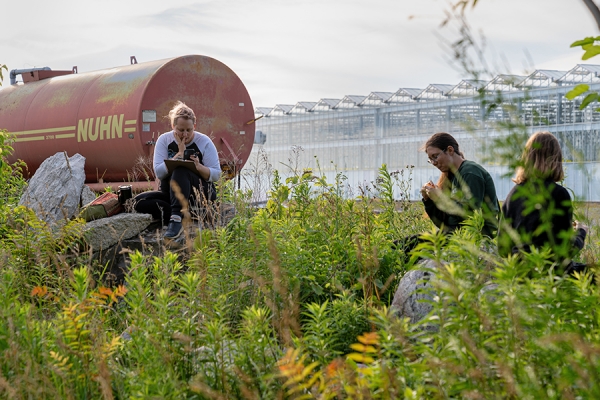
(463, 187)
(538, 210)
(181, 182)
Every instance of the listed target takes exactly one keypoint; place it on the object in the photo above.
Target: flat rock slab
(103, 233)
(148, 241)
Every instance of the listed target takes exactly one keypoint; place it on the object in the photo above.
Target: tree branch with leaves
(590, 45)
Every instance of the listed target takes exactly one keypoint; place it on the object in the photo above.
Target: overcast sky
(290, 51)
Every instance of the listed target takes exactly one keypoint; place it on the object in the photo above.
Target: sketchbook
(172, 164)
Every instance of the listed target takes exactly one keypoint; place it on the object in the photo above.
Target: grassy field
(292, 300)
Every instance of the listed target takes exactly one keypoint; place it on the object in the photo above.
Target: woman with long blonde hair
(538, 209)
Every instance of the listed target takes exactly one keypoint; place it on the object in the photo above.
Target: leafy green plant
(591, 49)
(292, 300)
(12, 179)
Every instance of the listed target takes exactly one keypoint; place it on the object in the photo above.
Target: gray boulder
(106, 232)
(414, 291)
(87, 195)
(54, 191)
(115, 259)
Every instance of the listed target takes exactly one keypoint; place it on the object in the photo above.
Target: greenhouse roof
(350, 101)
(263, 110)
(542, 77)
(376, 99)
(435, 91)
(280, 109)
(504, 83)
(303, 107)
(404, 95)
(581, 73)
(325, 104)
(466, 87)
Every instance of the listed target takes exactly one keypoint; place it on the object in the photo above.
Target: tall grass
(292, 301)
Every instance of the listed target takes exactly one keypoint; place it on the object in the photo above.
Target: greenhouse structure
(355, 135)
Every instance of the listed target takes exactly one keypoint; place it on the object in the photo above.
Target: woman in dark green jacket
(464, 186)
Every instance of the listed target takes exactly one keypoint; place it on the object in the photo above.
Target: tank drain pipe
(15, 72)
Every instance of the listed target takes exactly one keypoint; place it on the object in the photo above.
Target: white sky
(290, 51)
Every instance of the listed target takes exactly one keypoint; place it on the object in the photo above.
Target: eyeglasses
(434, 159)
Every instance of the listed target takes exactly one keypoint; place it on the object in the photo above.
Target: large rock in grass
(103, 233)
(115, 259)
(54, 191)
(415, 291)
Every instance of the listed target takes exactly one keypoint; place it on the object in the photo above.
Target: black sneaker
(174, 230)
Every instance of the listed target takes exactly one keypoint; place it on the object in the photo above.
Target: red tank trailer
(113, 117)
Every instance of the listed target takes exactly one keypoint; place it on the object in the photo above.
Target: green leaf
(586, 41)
(591, 52)
(577, 90)
(588, 99)
(318, 290)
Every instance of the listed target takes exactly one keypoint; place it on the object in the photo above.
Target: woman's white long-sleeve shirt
(166, 147)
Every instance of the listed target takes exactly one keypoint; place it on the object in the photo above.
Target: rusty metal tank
(113, 117)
